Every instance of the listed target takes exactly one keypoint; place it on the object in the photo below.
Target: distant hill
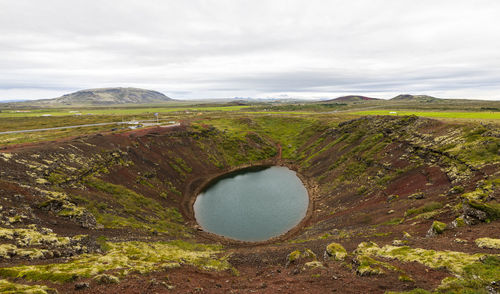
(351, 98)
(416, 98)
(105, 96)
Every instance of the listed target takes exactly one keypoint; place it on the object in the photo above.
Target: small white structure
(393, 112)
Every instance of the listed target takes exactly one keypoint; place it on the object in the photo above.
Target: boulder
(436, 229)
(106, 279)
(335, 251)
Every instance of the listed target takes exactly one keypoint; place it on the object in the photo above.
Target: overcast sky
(253, 48)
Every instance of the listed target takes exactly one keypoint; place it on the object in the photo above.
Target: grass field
(445, 114)
(280, 112)
(267, 118)
(50, 135)
(114, 111)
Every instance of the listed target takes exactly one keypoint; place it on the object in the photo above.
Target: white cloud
(204, 49)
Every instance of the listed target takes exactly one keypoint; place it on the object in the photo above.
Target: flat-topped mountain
(103, 96)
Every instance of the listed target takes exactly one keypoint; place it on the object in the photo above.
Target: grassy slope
(439, 114)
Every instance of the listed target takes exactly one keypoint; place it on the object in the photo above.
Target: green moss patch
(293, 256)
(491, 209)
(11, 288)
(26, 242)
(483, 191)
(124, 258)
(476, 278)
(488, 243)
(336, 251)
(438, 227)
(431, 206)
(127, 208)
(453, 261)
(368, 266)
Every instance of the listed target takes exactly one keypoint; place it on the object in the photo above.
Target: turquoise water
(254, 205)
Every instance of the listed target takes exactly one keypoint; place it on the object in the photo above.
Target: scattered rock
(309, 254)
(399, 242)
(87, 220)
(82, 285)
(335, 251)
(436, 229)
(296, 255)
(418, 195)
(391, 198)
(456, 190)
(458, 222)
(405, 278)
(106, 279)
(293, 257)
(472, 216)
(313, 264)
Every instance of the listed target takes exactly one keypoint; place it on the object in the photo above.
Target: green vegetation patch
(116, 111)
(294, 256)
(453, 261)
(491, 209)
(488, 243)
(368, 266)
(11, 288)
(431, 206)
(290, 132)
(439, 114)
(476, 278)
(131, 209)
(232, 142)
(125, 258)
(484, 190)
(477, 146)
(393, 221)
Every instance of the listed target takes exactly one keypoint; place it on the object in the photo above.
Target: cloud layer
(252, 48)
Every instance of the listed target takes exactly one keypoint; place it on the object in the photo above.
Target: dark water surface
(253, 206)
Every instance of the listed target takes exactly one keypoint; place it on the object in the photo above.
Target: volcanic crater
(376, 185)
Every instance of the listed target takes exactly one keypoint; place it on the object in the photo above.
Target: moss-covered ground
(123, 258)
